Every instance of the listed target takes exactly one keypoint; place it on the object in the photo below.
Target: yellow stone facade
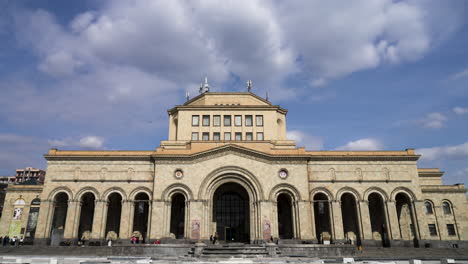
(289, 193)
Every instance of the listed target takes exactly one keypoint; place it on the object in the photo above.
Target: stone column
(312, 220)
(417, 215)
(71, 220)
(125, 222)
(365, 220)
(98, 219)
(266, 230)
(338, 233)
(148, 227)
(393, 225)
(305, 216)
(195, 212)
(43, 222)
(157, 219)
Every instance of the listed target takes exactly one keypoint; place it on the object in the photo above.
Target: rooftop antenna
(200, 89)
(249, 86)
(206, 87)
(266, 96)
(187, 95)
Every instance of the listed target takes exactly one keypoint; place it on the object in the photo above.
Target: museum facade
(228, 169)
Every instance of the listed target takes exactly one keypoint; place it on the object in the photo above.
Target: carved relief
(332, 174)
(130, 174)
(77, 174)
(103, 174)
(386, 174)
(359, 174)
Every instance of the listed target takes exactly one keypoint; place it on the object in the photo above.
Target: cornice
(98, 157)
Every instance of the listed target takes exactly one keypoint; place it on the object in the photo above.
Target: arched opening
(378, 220)
(32, 219)
(285, 217)
(350, 218)
(59, 218)
(140, 216)
(322, 217)
(114, 210)
(446, 208)
(231, 213)
(86, 216)
(178, 215)
(405, 217)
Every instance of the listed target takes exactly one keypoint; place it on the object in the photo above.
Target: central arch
(231, 212)
(242, 177)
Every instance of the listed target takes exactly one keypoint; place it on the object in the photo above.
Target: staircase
(235, 251)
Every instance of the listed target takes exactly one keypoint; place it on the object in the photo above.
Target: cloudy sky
(354, 75)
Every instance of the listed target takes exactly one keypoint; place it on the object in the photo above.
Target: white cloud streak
(88, 142)
(444, 152)
(362, 144)
(460, 110)
(433, 120)
(304, 139)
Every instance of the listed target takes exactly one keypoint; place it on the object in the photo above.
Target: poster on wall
(195, 229)
(17, 213)
(266, 229)
(32, 222)
(15, 229)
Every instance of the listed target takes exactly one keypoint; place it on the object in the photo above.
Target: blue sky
(358, 75)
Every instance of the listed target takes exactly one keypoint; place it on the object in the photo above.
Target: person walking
(215, 238)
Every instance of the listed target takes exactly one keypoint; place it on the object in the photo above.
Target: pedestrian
(21, 241)
(109, 243)
(6, 240)
(13, 241)
(215, 238)
(211, 238)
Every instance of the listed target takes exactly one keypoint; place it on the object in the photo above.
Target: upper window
(248, 120)
(195, 120)
(238, 120)
(216, 120)
(428, 208)
(238, 136)
(205, 136)
(206, 120)
(227, 120)
(227, 135)
(248, 136)
(432, 229)
(451, 230)
(446, 208)
(194, 135)
(216, 136)
(259, 135)
(259, 120)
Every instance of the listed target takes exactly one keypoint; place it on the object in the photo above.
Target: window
(259, 135)
(432, 229)
(446, 208)
(216, 120)
(248, 120)
(238, 120)
(216, 136)
(227, 120)
(451, 230)
(428, 208)
(206, 136)
(413, 232)
(227, 135)
(194, 135)
(259, 120)
(238, 136)
(248, 136)
(206, 120)
(195, 120)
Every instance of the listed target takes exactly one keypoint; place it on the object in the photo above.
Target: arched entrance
(178, 215)
(406, 218)
(58, 219)
(350, 218)
(86, 216)
(322, 217)
(378, 219)
(285, 217)
(114, 210)
(231, 213)
(140, 216)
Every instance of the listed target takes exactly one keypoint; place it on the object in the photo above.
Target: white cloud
(304, 139)
(362, 144)
(444, 152)
(88, 142)
(459, 75)
(460, 110)
(433, 120)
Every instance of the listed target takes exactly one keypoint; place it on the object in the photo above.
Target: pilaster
(365, 220)
(98, 219)
(338, 232)
(393, 218)
(125, 222)
(305, 217)
(43, 222)
(157, 219)
(71, 220)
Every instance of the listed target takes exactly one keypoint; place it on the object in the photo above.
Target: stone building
(228, 168)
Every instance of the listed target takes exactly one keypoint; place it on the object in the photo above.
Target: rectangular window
(259, 120)
(238, 136)
(206, 120)
(216, 120)
(451, 230)
(206, 136)
(248, 136)
(238, 120)
(194, 135)
(248, 120)
(195, 120)
(216, 136)
(259, 135)
(432, 229)
(227, 135)
(227, 120)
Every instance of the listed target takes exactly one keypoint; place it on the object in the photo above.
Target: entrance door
(231, 213)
